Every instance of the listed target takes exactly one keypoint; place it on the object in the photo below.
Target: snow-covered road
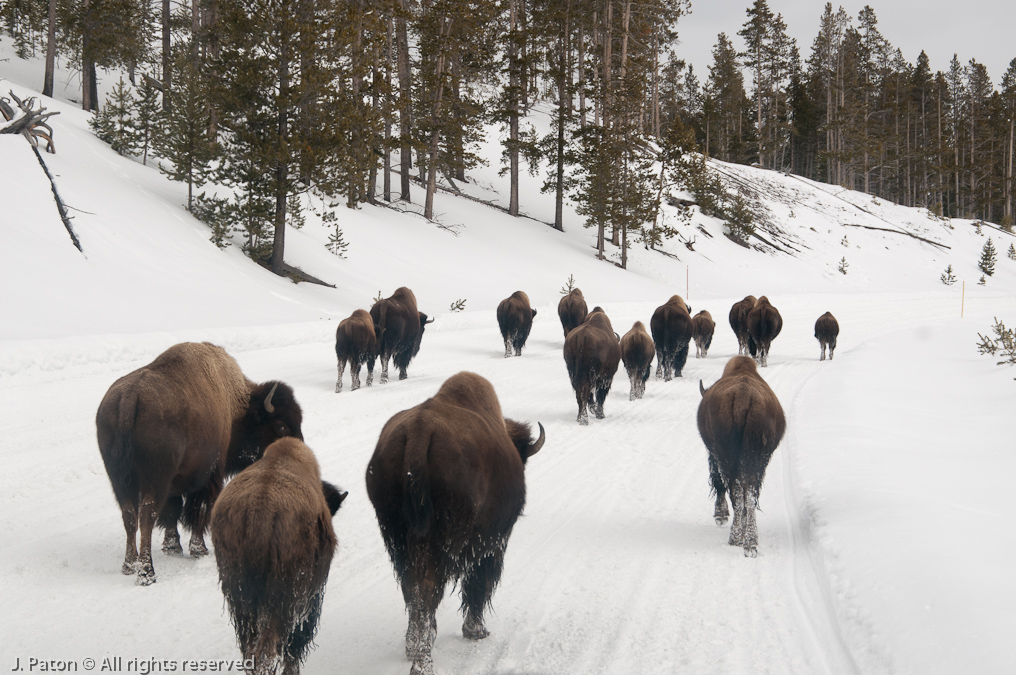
(616, 566)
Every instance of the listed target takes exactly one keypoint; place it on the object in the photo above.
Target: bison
(702, 328)
(398, 327)
(447, 484)
(764, 324)
(273, 537)
(591, 353)
(174, 430)
(672, 331)
(739, 322)
(355, 344)
(826, 331)
(637, 351)
(515, 318)
(572, 310)
(741, 423)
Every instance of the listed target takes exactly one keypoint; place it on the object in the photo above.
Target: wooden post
(963, 298)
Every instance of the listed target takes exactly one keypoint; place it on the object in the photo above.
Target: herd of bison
(446, 477)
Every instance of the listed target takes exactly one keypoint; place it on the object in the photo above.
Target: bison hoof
(338, 387)
(720, 520)
(170, 547)
(198, 549)
(146, 577)
(750, 551)
(735, 541)
(129, 568)
(474, 631)
(584, 421)
(422, 667)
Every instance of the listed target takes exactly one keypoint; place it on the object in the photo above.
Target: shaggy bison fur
(637, 351)
(515, 318)
(672, 331)
(572, 310)
(447, 484)
(356, 345)
(173, 431)
(826, 331)
(273, 537)
(764, 324)
(739, 322)
(398, 329)
(591, 354)
(741, 423)
(702, 329)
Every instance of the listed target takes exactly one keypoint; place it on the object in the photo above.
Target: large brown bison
(398, 327)
(446, 481)
(741, 423)
(637, 351)
(827, 329)
(672, 330)
(273, 537)
(764, 324)
(591, 353)
(515, 319)
(175, 429)
(355, 344)
(572, 310)
(702, 329)
(739, 322)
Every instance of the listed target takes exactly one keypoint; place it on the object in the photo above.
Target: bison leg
(423, 613)
(148, 514)
(832, 346)
(507, 347)
(197, 512)
(168, 518)
(338, 380)
(384, 369)
(680, 358)
(737, 501)
(601, 395)
(130, 526)
(750, 539)
(477, 588)
(583, 394)
(720, 513)
(354, 374)
(659, 363)
(633, 379)
(370, 370)
(302, 634)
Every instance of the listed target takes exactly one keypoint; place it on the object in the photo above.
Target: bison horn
(268, 400)
(430, 320)
(702, 390)
(535, 447)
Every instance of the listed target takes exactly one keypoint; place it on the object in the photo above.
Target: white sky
(978, 29)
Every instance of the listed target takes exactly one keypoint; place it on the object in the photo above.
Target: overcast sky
(984, 30)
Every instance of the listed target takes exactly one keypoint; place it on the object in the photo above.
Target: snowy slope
(879, 533)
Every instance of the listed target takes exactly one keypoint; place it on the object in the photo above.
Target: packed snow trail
(615, 567)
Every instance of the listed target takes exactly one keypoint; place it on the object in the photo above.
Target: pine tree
(147, 117)
(843, 265)
(948, 278)
(1012, 252)
(988, 257)
(185, 139)
(114, 123)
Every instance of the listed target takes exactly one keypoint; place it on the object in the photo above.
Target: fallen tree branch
(31, 123)
(884, 229)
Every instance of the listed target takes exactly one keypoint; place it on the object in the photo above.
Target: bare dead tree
(30, 121)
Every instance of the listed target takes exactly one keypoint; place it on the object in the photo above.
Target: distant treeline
(277, 97)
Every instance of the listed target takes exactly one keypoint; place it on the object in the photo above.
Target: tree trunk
(513, 108)
(167, 54)
(47, 86)
(435, 136)
(389, 58)
(282, 163)
(405, 99)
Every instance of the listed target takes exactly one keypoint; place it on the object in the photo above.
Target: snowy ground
(881, 533)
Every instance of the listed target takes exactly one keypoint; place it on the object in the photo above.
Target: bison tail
(116, 443)
(752, 346)
(418, 508)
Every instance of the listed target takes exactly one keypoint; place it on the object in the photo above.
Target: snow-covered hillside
(882, 546)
